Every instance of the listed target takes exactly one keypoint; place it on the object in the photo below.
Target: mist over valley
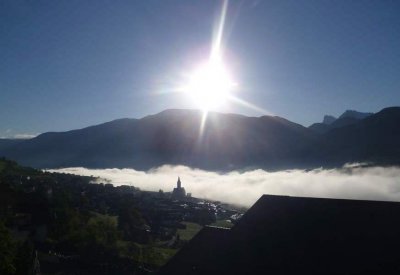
(244, 188)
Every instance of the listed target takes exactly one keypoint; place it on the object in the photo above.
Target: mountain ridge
(225, 142)
(329, 122)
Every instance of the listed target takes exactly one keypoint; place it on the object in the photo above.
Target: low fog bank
(244, 188)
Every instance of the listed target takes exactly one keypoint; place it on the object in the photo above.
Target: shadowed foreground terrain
(52, 223)
(293, 235)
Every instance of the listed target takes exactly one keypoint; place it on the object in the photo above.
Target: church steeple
(179, 192)
(179, 183)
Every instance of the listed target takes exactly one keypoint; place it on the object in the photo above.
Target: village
(165, 212)
(61, 222)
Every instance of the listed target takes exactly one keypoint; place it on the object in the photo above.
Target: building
(293, 235)
(179, 192)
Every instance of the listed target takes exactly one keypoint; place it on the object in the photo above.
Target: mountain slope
(8, 142)
(227, 141)
(329, 122)
(328, 119)
(224, 142)
(374, 139)
(355, 114)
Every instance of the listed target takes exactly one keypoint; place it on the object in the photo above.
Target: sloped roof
(294, 235)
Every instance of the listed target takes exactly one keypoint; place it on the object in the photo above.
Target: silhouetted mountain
(320, 128)
(329, 122)
(328, 119)
(225, 142)
(5, 143)
(325, 126)
(355, 114)
(373, 139)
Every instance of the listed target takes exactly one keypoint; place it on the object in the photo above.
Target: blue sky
(71, 64)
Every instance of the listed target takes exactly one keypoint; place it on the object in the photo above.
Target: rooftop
(296, 235)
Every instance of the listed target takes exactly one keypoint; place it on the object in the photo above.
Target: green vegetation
(90, 225)
(154, 255)
(223, 223)
(191, 230)
(7, 252)
(64, 222)
(2, 166)
(16, 257)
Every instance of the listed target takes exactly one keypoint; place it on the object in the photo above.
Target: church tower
(178, 192)
(179, 183)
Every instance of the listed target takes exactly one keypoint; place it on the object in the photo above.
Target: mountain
(374, 139)
(354, 114)
(225, 142)
(328, 119)
(319, 128)
(6, 142)
(330, 122)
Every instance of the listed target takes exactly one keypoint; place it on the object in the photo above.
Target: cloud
(10, 134)
(244, 188)
(24, 136)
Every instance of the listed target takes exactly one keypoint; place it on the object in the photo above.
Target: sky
(71, 64)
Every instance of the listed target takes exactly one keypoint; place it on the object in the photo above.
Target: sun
(210, 85)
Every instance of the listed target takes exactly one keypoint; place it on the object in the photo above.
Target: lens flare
(210, 85)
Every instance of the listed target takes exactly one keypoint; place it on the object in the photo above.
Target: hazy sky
(70, 64)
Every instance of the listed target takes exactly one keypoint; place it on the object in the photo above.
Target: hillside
(375, 139)
(329, 122)
(225, 142)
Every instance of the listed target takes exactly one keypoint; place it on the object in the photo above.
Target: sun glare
(210, 85)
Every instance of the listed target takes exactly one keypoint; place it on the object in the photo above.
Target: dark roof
(292, 235)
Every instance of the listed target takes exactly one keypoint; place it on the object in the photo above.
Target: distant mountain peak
(355, 114)
(328, 119)
(225, 142)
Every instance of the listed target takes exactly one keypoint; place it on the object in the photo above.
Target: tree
(131, 222)
(7, 252)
